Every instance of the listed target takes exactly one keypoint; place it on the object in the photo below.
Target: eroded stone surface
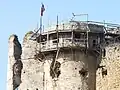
(77, 70)
(14, 63)
(111, 63)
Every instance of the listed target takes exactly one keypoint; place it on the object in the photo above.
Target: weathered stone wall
(14, 63)
(77, 72)
(77, 69)
(32, 73)
(11, 61)
(108, 77)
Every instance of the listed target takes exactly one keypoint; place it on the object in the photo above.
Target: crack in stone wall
(18, 65)
(15, 64)
(17, 69)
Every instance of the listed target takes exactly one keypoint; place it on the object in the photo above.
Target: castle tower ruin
(15, 64)
(61, 59)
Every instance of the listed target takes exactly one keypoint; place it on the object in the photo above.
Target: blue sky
(20, 16)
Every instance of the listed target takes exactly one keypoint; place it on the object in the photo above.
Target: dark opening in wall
(107, 42)
(36, 88)
(115, 48)
(55, 69)
(78, 88)
(104, 72)
(83, 72)
(94, 43)
(17, 69)
(104, 53)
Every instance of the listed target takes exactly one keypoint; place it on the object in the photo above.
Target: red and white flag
(42, 9)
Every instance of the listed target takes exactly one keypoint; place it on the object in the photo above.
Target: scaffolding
(86, 35)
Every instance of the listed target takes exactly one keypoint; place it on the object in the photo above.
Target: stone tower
(14, 63)
(65, 58)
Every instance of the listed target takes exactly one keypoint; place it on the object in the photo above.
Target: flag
(42, 9)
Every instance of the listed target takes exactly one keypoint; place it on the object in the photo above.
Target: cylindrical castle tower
(66, 59)
(75, 70)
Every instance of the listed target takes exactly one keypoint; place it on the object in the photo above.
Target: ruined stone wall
(32, 73)
(14, 63)
(11, 61)
(108, 75)
(75, 70)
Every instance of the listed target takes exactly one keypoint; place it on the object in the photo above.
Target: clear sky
(20, 16)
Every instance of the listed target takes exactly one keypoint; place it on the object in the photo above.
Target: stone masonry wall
(108, 77)
(77, 72)
(32, 73)
(14, 63)
(74, 70)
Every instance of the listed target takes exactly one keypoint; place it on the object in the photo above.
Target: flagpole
(40, 24)
(40, 30)
(40, 44)
(42, 10)
(40, 48)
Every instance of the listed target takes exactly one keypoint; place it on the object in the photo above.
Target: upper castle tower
(63, 58)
